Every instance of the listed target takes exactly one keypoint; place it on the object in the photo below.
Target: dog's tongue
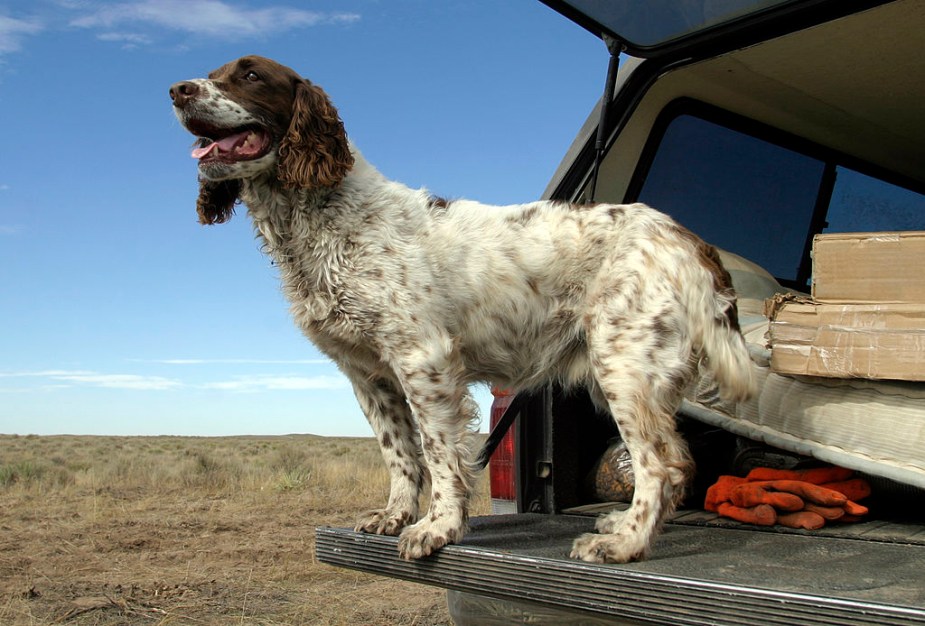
(226, 144)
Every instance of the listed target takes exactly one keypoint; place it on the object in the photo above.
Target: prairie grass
(178, 530)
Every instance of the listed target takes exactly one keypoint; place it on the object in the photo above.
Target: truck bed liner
(697, 574)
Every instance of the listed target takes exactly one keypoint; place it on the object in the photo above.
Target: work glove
(797, 499)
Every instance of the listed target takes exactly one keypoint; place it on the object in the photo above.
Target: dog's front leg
(434, 383)
(388, 413)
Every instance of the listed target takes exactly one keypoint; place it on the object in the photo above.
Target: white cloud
(43, 373)
(211, 18)
(122, 381)
(127, 23)
(128, 40)
(240, 361)
(96, 379)
(280, 383)
(13, 30)
(254, 383)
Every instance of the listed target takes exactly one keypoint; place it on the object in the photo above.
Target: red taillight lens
(501, 466)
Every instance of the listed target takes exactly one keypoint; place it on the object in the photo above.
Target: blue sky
(119, 313)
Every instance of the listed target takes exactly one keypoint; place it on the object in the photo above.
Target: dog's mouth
(228, 145)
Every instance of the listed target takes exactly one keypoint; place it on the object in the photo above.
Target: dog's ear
(215, 204)
(314, 152)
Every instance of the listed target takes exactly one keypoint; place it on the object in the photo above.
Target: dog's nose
(183, 92)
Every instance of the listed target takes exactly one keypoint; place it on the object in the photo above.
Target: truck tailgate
(697, 575)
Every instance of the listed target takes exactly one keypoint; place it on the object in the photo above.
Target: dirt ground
(166, 530)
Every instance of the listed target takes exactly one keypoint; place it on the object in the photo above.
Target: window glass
(737, 192)
(861, 203)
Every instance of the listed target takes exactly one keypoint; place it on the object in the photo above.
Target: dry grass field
(172, 530)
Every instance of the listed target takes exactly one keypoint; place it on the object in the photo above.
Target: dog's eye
(252, 76)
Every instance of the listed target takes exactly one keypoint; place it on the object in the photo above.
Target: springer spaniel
(415, 297)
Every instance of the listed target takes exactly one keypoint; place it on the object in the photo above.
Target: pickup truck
(757, 124)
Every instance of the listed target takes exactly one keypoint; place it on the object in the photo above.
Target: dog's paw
(426, 537)
(595, 548)
(384, 521)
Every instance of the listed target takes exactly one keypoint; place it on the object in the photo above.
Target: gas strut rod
(615, 47)
(500, 429)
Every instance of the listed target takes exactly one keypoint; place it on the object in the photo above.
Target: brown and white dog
(415, 297)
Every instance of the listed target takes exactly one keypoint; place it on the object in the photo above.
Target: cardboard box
(869, 267)
(879, 341)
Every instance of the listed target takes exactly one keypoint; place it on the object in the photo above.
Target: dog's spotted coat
(415, 297)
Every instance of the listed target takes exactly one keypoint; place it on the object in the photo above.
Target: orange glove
(785, 495)
(806, 520)
(837, 479)
(854, 489)
(797, 499)
(719, 500)
(816, 476)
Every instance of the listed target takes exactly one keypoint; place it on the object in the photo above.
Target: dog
(415, 297)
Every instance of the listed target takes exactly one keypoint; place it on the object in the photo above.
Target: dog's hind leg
(388, 413)
(641, 383)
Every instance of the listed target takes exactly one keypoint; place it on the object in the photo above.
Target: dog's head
(255, 117)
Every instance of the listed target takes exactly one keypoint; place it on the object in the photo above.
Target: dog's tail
(717, 329)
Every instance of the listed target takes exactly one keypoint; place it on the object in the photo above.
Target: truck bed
(701, 572)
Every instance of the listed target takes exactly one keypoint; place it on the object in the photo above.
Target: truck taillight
(501, 467)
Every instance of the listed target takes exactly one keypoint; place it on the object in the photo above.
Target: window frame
(830, 159)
